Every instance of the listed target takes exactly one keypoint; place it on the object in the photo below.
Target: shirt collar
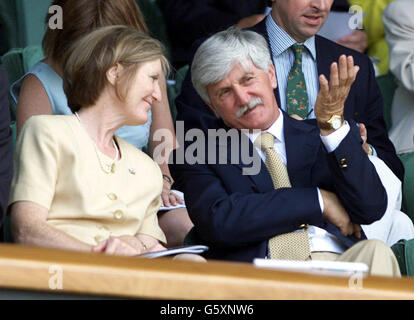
(276, 129)
(280, 40)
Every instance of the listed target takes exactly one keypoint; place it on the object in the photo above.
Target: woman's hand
(128, 245)
(120, 246)
(168, 197)
(150, 244)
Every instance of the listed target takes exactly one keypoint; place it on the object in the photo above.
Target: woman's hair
(88, 60)
(83, 16)
(216, 56)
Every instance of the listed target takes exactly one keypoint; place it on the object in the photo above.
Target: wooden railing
(57, 271)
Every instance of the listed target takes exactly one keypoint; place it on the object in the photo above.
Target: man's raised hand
(332, 95)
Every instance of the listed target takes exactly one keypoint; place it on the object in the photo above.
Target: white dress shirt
(319, 239)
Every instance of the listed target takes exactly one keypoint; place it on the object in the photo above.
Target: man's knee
(374, 245)
(382, 258)
(378, 250)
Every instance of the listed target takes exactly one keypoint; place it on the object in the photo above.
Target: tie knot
(265, 141)
(298, 49)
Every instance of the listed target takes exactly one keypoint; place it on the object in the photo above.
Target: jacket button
(118, 215)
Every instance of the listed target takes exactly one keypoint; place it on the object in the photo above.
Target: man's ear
(272, 76)
(112, 74)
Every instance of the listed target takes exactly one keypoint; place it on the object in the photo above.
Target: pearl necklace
(108, 168)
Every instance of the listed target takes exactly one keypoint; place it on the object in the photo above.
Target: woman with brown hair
(40, 91)
(77, 185)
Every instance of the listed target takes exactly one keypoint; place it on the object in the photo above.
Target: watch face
(336, 123)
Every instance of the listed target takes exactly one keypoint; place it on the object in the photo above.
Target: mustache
(252, 103)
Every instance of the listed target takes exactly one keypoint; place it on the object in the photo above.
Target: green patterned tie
(297, 96)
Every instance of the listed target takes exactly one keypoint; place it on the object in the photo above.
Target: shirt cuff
(333, 140)
(320, 199)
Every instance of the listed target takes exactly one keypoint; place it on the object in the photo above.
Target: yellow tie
(292, 245)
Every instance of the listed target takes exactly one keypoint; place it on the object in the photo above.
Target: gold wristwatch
(335, 122)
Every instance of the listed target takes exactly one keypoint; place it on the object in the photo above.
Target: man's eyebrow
(248, 74)
(221, 90)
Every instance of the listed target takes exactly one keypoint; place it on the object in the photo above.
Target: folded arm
(231, 213)
(29, 227)
(356, 181)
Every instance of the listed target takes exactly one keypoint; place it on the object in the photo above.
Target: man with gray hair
(291, 34)
(316, 185)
